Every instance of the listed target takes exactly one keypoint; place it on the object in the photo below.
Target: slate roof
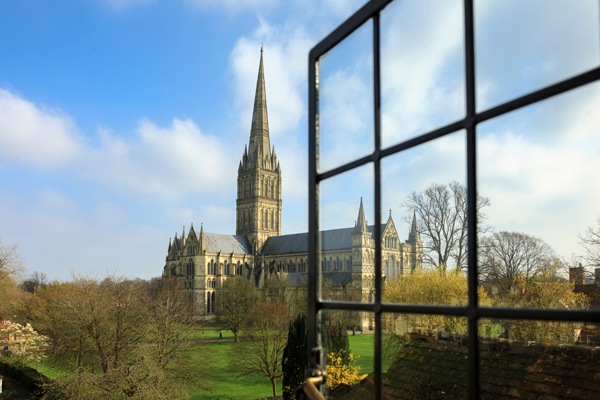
(523, 370)
(333, 239)
(336, 278)
(217, 242)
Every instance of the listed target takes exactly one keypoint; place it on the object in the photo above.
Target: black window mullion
(314, 338)
(377, 230)
(472, 311)
(473, 340)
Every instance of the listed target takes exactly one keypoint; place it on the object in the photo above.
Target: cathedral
(202, 261)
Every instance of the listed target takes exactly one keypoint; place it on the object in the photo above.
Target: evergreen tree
(335, 340)
(294, 356)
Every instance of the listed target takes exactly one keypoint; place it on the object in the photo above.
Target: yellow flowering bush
(338, 372)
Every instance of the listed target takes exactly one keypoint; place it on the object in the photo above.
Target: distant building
(590, 332)
(258, 250)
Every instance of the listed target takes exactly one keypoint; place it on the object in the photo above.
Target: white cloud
(539, 167)
(216, 218)
(35, 135)
(285, 76)
(168, 163)
(346, 127)
(422, 74)
(522, 46)
(165, 162)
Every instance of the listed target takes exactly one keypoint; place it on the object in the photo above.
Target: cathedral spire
(259, 132)
(361, 222)
(414, 235)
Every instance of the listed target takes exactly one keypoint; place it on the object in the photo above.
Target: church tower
(258, 201)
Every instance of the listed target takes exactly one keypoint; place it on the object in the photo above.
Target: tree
(36, 280)
(168, 320)
(234, 303)
(543, 290)
(10, 296)
(334, 338)
(264, 354)
(506, 255)
(441, 212)
(590, 241)
(430, 287)
(120, 334)
(294, 356)
(26, 344)
(11, 263)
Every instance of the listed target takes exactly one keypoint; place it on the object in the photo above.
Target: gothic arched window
(208, 303)
(212, 309)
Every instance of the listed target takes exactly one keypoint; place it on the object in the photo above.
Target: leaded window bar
(473, 312)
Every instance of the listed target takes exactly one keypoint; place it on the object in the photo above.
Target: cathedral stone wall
(204, 261)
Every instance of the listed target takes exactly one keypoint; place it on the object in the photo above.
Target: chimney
(577, 275)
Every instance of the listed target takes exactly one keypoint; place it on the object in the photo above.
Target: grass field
(229, 385)
(364, 345)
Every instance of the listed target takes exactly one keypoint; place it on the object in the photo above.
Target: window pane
(422, 67)
(349, 347)
(346, 100)
(539, 168)
(424, 234)
(346, 220)
(525, 45)
(429, 356)
(537, 359)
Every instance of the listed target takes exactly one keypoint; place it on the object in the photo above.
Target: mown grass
(364, 345)
(228, 384)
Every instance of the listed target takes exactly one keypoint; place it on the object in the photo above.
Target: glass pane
(346, 100)
(428, 354)
(346, 219)
(537, 359)
(525, 45)
(538, 167)
(349, 348)
(422, 67)
(424, 236)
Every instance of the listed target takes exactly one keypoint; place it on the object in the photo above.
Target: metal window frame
(472, 311)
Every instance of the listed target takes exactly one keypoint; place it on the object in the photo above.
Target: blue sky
(123, 120)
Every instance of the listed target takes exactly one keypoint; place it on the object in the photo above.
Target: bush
(294, 357)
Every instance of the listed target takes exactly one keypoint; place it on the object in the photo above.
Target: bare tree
(234, 303)
(441, 212)
(264, 354)
(504, 256)
(35, 281)
(121, 333)
(11, 263)
(590, 241)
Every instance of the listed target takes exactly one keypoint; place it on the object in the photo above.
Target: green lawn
(364, 346)
(229, 385)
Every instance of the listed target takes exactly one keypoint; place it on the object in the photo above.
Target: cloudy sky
(123, 120)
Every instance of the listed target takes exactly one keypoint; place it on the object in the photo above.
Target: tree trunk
(274, 382)
(237, 338)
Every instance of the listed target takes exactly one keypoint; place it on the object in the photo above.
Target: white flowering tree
(25, 343)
